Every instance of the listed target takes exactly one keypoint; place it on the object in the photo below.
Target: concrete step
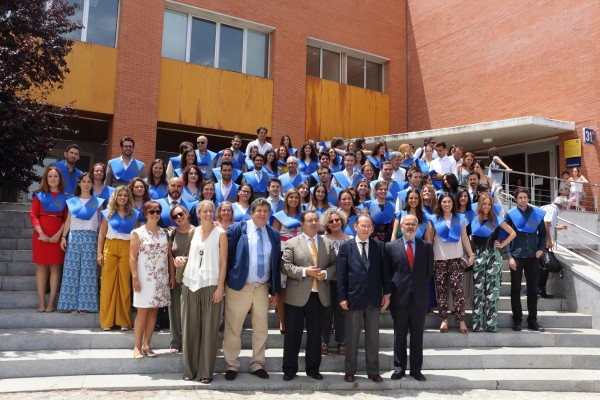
(15, 244)
(19, 318)
(23, 364)
(85, 339)
(17, 220)
(542, 380)
(15, 255)
(15, 206)
(17, 268)
(18, 283)
(16, 233)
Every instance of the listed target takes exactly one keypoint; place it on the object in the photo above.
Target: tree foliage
(32, 64)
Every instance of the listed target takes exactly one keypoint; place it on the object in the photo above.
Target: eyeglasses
(154, 212)
(178, 215)
(200, 142)
(244, 191)
(258, 160)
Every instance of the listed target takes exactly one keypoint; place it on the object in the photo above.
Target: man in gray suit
(309, 262)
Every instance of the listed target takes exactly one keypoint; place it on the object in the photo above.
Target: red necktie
(409, 254)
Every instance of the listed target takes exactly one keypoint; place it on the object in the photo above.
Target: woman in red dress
(48, 212)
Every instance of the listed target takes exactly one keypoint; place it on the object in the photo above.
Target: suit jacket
(356, 283)
(403, 279)
(238, 256)
(296, 257)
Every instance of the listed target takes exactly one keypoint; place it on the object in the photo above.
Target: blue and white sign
(589, 136)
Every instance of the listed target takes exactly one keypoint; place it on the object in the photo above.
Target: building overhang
(483, 135)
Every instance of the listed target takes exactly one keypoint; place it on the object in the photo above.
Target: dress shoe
(375, 378)
(535, 326)
(517, 327)
(418, 376)
(289, 377)
(316, 375)
(398, 375)
(545, 295)
(261, 373)
(230, 375)
(349, 378)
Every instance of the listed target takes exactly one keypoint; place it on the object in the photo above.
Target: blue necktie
(260, 267)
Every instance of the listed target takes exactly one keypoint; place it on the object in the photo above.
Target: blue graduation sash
(119, 224)
(485, 230)
(259, 187)
(106, 192)
(335, 168)
(249, 164)
(178, 172)
(349, 228)
(333, 194)
(287, 183)
(428, 211)
(422, 164)
(393, 190)
(141, 217)
(281, 164)
(234, 175)
(407, 163)
(421, 228)
(206, 159)
(469, 216)
(239, 161)
(380, 217)
(344, 182)
(292, 151)
(125, 175)
(307, 168)
(232, 193)
(402, 195)
(277, 207)
(286, 220)
(187, 195)
(175, 161)
(531, 224)
(51, 203)
(451, 234)
(70, 182)
(84, 212)
(165, 214)
(374, 161)
(238, 214)
(158, 192)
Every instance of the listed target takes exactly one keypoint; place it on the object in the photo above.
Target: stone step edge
(486, 379)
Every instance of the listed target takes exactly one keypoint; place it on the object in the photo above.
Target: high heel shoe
(147, 351)
(444, 326)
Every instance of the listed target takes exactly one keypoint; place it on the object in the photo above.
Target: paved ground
(347, 395)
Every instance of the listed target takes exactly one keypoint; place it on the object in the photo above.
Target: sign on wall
(589, 136)
(573, 152)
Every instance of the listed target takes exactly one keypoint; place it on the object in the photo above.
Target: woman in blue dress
(307, 158)
(382, 212)
(79, 288)
(192, 183)
(187, 158)
(270, 164)
(287, 142)
(139, 190)
(346, 204)
(100, 189)
(157, 180)
(241, 208)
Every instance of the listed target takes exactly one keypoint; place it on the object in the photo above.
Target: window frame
(85, 9)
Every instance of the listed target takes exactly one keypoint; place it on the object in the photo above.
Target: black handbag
(550, 263)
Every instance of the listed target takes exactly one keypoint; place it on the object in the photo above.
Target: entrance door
(539, 164)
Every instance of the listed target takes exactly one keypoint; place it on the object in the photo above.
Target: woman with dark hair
(270, 164)
(139, 190)
(497, 167)
(425, 162)
(192, 183)
(448, 233)
(479, 167)
(304, 193)
(382, 212)
(360, 160)
(576, 189)
(346, 204)
(449, 184)
(465, 168)
(241, 208)
(187, 158)
(100, 189)
(307, 158)
(250, 159)
(363, 190)
(282, 155)
(412, 206)
(152, 276)
(334, 164)
(429, 199)
(379, 155)
(318, 199)
(79, 288)
(354, 194)
(118, 220)
(207, 192)
(158, 180)
(47, 215)
(368, 171)
(286, 141)
(464, 207)
(361, 144)
(487, 268)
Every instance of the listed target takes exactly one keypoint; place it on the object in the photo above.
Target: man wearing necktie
(363, 287)
(253, 281)
(309, 262)
(410, 263)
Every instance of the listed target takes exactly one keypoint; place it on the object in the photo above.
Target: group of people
(328, 236)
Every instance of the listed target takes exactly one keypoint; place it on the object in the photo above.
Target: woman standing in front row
(152, 274)
(47, 217)
(119, 219)
(79, 290)
(201, 293)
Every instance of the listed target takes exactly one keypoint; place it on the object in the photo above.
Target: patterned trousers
(487, 275)
(449, 272)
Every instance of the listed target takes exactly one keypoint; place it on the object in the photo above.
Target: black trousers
(408, 318)
(532, 274)
(295, 317)
(333, 314)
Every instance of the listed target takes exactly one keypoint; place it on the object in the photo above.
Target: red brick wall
(474, 61)
(138, 77)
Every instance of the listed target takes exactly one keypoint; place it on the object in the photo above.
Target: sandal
(137, 354)
(41, 309)
(444, 326)
(174, 350)
(205, 380)
(324, 349)
(462, 328)
(341, 349)
(148, 352)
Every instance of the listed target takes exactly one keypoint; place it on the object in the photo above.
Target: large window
(215, 44)
(99, 19)
(345, 66)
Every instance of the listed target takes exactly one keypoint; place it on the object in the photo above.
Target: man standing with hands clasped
(309, 263)
(363, 285)
(410, 261)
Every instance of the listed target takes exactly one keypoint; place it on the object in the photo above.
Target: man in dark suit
(410, 261)
(363, 285)
(253, 281)
(309, 263)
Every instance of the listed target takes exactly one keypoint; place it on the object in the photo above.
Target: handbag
(179, 271)
(550, 263)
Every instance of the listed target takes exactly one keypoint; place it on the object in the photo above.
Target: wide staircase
(55, 351)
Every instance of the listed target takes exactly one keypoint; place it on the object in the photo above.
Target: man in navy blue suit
(253, 281)
(363, 286)
(410, 261)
